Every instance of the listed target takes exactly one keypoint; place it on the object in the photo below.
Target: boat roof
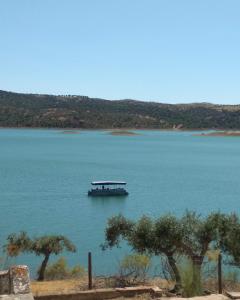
(108, 182)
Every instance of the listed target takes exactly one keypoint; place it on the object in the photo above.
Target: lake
(45, 176)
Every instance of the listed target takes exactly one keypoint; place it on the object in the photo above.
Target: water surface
(45, 175)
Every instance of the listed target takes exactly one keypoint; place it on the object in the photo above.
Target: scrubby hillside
(33, 110)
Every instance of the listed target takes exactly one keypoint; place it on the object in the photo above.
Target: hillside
(33, 110)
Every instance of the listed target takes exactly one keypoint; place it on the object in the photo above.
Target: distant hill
(63, 111)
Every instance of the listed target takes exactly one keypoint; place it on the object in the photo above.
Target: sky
(172, 51)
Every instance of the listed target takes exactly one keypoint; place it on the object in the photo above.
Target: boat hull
(107, 192)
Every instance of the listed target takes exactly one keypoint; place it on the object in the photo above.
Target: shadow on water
(108, 200)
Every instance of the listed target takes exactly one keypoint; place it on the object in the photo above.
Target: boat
(108, 188)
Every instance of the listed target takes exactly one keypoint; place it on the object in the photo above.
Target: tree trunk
(42, 269)
(172, 263)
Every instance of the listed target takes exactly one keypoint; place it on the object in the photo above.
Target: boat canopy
(108, 182)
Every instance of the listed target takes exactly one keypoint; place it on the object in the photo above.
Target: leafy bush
(213, 255)
(60, 270)
(134, 268)
(191, 278)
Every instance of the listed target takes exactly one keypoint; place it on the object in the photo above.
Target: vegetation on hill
(65, 111)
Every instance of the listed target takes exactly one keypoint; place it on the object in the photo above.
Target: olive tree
(159, 237)
(199, 234)
(41, 246)
(230, 238)
(190, 235)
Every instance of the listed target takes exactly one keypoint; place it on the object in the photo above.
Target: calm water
(45, 175)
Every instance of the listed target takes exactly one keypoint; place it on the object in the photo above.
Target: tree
(44, 245)
(47, 245)
(117, 227)
(198, 234)
(162, 236)
(230, 238)
(191, 235)
(17, 244)
(168, 234)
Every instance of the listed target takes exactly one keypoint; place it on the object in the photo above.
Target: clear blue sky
(162, 50)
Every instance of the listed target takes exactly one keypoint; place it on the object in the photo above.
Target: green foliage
(135, 267)
(190, 278)
(60, 270)
(230, 242)
(167, 235)
(199, 232)
(162, 236)
(141, 235)
(117, 227)
(54, 244)
(190, 235)
(44, 245)
(18, 243)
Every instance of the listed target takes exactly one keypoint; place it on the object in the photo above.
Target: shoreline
(226, 133)
(210, 132)
(118, 129)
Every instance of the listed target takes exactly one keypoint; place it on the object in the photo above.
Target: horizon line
(121, 99)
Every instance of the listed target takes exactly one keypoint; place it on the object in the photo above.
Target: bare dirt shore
(40, 288)
(123, 133)
(65, 287)
(148, 297)
(220, 133)
(70, 131)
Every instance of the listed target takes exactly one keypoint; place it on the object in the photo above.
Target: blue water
(45, 175)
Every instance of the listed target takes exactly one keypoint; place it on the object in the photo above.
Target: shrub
(60, 270)
(77, 271)
(191, 279)
(213, 255)
(134, 268)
